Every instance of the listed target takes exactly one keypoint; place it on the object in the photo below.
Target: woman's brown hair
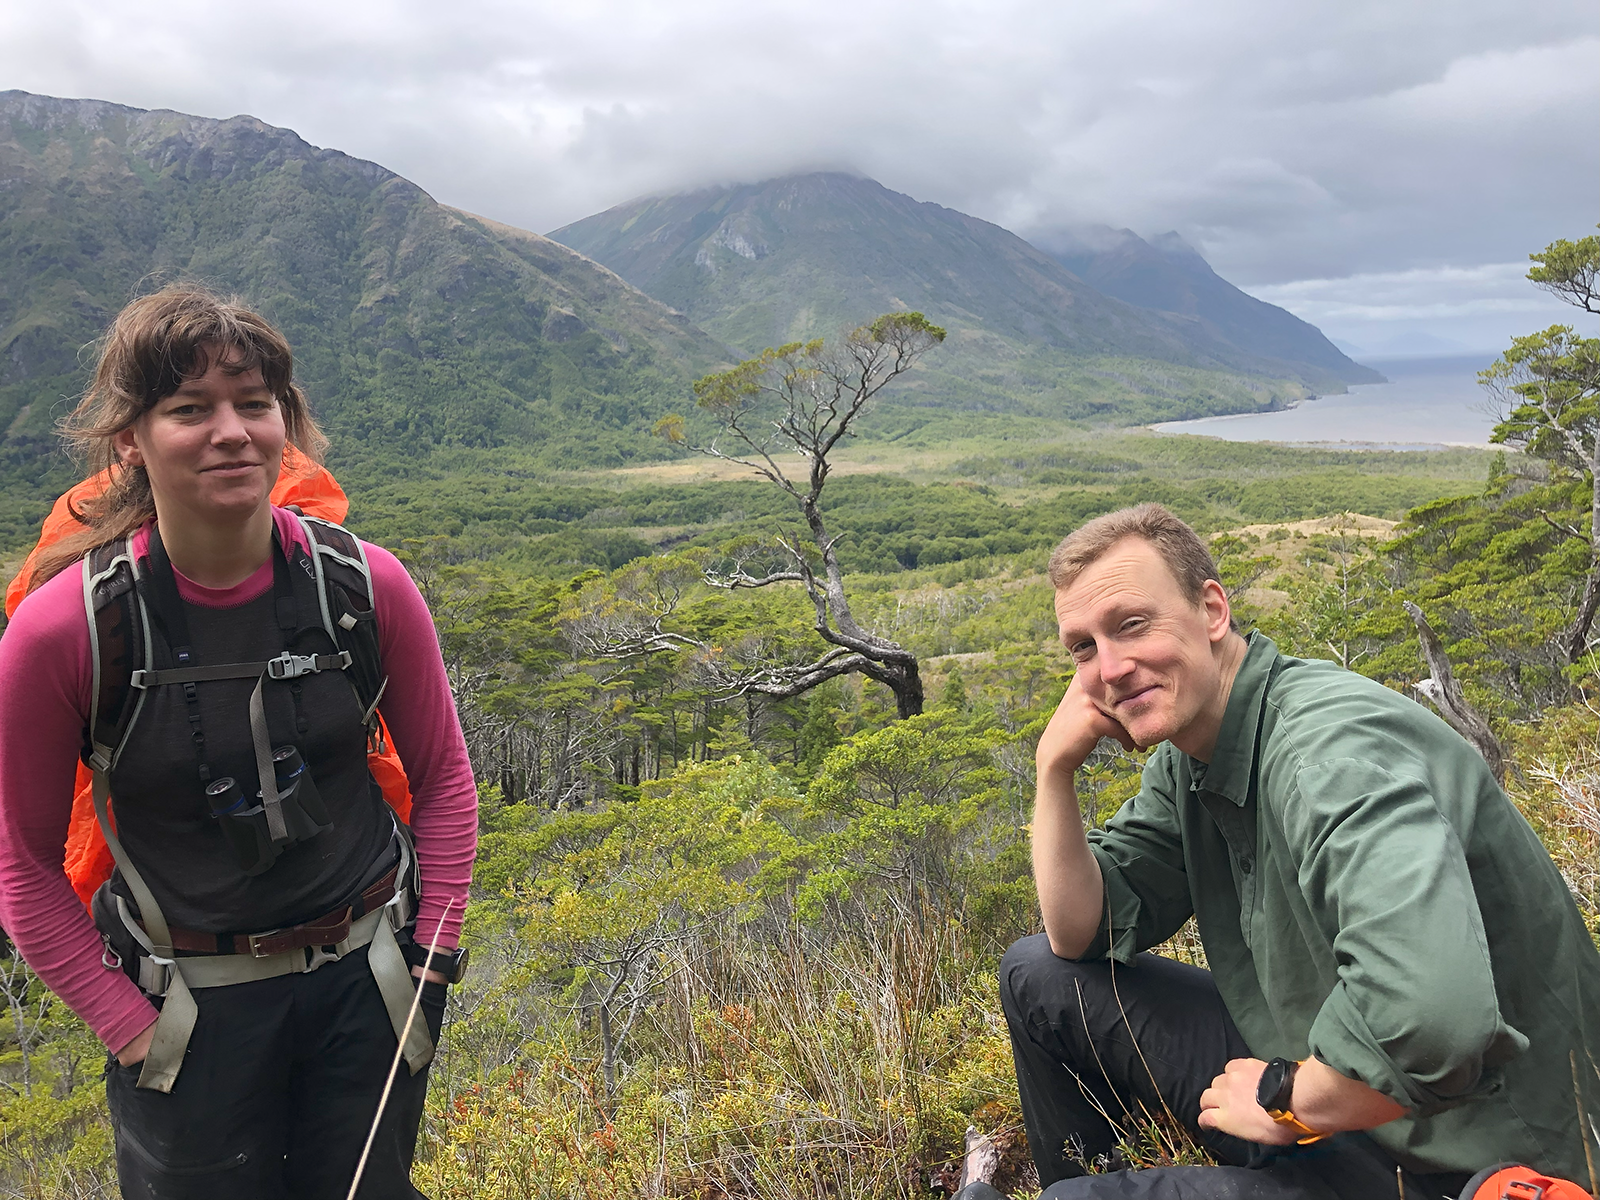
(156, 343)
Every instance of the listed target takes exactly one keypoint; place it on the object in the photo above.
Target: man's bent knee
(1032, 976)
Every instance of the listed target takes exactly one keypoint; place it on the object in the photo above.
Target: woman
(265, 896)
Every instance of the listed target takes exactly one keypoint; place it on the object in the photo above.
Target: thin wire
(394, 1067)
(1584, 1135)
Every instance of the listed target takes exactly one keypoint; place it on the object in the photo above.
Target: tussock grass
(777, 1069)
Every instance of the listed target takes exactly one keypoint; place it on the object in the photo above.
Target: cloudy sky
(1381, 167)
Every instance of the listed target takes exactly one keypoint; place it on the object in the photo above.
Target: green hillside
(804, 256)
(416, 327)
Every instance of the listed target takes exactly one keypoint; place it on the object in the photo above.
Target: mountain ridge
(415, 327)
(790, 257)
(1167, 274)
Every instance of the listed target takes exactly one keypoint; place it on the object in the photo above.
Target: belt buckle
(255, 942)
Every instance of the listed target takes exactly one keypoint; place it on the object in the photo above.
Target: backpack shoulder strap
(119, 645)
(349, 614)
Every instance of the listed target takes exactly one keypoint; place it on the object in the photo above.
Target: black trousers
(1093, 1043)
(276, 1095)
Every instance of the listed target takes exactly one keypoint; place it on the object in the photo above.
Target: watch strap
(1309, 1135)
(452, 964)
(1278, 1104)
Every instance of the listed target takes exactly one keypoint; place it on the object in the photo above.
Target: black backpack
(329, 587)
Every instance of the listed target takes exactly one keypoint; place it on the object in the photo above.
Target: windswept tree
(805, 399)
(1548, 385)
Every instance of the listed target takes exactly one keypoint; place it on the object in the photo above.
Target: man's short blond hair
(1180, 547)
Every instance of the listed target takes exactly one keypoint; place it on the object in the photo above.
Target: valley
(728, 943)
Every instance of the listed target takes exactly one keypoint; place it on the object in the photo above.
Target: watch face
(1278, 1073)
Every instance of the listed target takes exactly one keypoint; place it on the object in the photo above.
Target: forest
(736, 943)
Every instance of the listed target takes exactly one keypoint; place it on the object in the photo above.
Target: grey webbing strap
(224, 970)
(292, 666)
(375, 931)
(276, 829)
(154, 920)
(397, 987)
(174, 1028)
(179, 1012)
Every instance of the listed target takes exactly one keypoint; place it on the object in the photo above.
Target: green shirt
(1366, 893)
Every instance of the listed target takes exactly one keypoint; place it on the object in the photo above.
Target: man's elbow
(1069, 946)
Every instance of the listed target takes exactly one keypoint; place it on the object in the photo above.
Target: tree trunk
(1446, 693)
(908, 692)
(608, 1051)
(1578, 635)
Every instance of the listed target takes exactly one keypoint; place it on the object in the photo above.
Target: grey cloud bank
(1381, 169)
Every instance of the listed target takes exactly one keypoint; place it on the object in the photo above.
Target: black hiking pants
(276, 1095)
(1091, 1048)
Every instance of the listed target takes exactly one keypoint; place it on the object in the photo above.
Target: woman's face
(212, 449)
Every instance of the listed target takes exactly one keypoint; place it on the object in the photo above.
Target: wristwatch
(1275, 1093)
(451, 964)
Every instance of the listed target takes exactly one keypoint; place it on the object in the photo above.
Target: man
(1380, 922)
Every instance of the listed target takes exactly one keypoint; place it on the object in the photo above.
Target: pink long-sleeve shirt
(45, 681)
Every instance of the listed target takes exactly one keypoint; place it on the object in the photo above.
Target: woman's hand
(428, 976)
(134, 1052)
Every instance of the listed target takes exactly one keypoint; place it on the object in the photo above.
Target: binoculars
(244, 824)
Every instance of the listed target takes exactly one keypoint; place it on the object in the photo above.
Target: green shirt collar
(1234, 759)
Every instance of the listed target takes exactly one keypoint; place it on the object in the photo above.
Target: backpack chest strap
(285, 666)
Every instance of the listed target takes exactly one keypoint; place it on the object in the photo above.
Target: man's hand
(134, 1052)
(1074, 731)
(1323, 1100)
(1229, 1106)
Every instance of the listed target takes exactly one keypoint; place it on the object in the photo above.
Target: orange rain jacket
(302, 483)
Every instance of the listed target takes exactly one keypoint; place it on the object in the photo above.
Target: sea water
(1427, 403)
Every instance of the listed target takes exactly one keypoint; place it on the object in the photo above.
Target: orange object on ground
(1515, 1182)
(302, 483)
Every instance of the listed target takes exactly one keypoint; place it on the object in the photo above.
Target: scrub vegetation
(730, 945)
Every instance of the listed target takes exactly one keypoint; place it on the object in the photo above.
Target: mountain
(416, 327)
(760, 264)
(1169, 275)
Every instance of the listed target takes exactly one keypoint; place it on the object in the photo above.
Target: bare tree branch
(1445, 692)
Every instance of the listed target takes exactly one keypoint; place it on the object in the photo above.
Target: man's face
(1144, 650)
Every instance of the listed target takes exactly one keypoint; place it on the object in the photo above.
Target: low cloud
(1466, 308)
(1351, 140)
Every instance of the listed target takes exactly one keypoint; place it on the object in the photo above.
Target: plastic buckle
(320, 954)
(138, 679)
(1521, 1189)
(292, 666)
